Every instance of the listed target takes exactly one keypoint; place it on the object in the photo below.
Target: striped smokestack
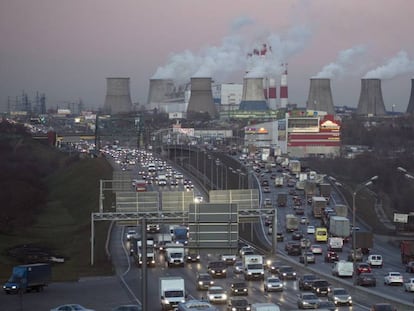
(410, 107)
(320, 96)
(160, 90)
(253, 98)
(201, 98)
(272, 94)
(118, 97)
(370, 100)
(284, 89)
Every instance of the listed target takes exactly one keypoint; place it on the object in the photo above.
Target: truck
(174, 254)
(318, 206)
(407, 251)
(279, 181)
(281, 199)
(325, 191)
(335, 244)
(339, 226)
(341, 210)
(343, 268)
(26, 278)
(172, 292)
(253, 267)
(294, 167)
(364, 241)
(180, 235)
(265, 306)
(310, 188)
(292, 223)
(138, 252)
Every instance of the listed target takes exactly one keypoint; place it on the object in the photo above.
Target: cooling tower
(253, 98)
(201, 98)
(320, 96)
(410, 107)
(160, 90)
(370, 100)
(118, 97)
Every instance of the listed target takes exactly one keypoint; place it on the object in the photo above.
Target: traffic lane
(98, 293)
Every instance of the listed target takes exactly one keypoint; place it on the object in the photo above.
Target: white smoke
(399, 64)
(339, 66)
(240, 22)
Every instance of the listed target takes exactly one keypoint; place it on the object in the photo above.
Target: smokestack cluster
(253, 98)
(160, 90)
(118, 96)
(201, 98)
(410, 107)
(320, 96)
(370, 99)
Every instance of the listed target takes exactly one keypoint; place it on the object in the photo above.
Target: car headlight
(223, 271)
(248, 308)
(294, 273)
(224, 296)
(245, 289)
(233, 309)
(200, 283)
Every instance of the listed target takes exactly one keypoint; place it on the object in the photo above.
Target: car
(331, 256)
(71, 307)
(239, 288)
(204, 281)
(297, 235)
(153, 228)
(128, 308)
(358, 255)
(383, 306)
(193, 257)
(307, 301)
(393, 278)
(246, 250)
(340, 296)
(409, 267)
(366, 279)
(375, 260)
(238, 304)
(216, 294)
(310, 229)
(287, 273)
(306, 280)
(409, 285)
(279, 237)
(304, 220)
(316, 249)
(266, 189)
(309, 256)
(272, 283)
(273, 266)
(321, 287)
(238, 267)
(131, 234)
(326, 305)
(299, 210)
(294, 249)
(268, 220)
(217, 268)
(229, 259)
(363, 268)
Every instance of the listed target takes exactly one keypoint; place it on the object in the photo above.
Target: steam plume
(399, 64)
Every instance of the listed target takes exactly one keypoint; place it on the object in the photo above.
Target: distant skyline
(67, 49)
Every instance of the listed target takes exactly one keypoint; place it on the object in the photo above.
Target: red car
(331, 256)
(363, 268)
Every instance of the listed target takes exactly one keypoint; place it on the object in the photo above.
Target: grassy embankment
(64, 224)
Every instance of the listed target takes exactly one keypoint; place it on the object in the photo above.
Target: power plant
(253, 98)
(118, 96)
(320, 96)
(201, 98)
(371, 102)
(160, 91)
(410, 107)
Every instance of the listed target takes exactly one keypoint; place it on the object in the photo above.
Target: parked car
(239, 288)
(309, 256)
(383, 306)
(331, 256)
(375, 260)
(238, 303)
(363, 268)
(409, 267)
(393, 278)
(204, 281)
(321, 287)
(340, 296)
(307, 301)
(286, 273)
(216, 294)
(272, 283)
(366, 279)
(71, 307)
(306, 280)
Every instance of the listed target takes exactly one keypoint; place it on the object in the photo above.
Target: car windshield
(309, 296)
(240, 302)
(174, 293)
(273, 280)
(340, 292)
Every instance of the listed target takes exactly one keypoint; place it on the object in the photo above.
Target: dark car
(273, 267)
(409, 267)
(217, 268)
(128, 308)
(306, 280)
(307, 301)
(366, 279)
(204, 281)
(193, 257)
(331, 256)
(279, 236)
(321, 287)
(299, 210)
(287, 273)
(308, 256)
(383, 307)
(238, 304)
(327, 305)
(239, 288)
(297, 235)
(294, 249)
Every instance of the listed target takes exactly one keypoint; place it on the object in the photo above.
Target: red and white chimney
(284, 88)
(272, 94)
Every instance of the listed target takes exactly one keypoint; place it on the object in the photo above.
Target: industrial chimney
(201, 98)
(118, 97)
(320, 96)
(272, 94)
(253, 98)
(160, 90)
(370, 100)
(284, 88)
(410, 107)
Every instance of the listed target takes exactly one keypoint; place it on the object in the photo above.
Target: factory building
(228, 96)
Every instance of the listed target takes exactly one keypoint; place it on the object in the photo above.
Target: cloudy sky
(66, 48)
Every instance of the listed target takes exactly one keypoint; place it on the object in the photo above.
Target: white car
(216, 294)
(310, 230)
(393, 278)
(131, 233)
(71, 307)
(273, 283)
(409, 285)
(316, 249)
(304, 220)
(375, 260)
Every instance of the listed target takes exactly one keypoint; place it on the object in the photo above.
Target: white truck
(265, 306)
(279, 181)
(339, 226)
(292, 223)
(172, 292)
(343, 268)
(174, 254)
(253, 267)
(335, 244)
(149, 251)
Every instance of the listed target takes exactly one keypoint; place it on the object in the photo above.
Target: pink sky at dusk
(66, 49)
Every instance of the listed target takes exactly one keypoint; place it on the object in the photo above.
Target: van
(343, 268)
(375, 260)
(321, 234)
(265, 306)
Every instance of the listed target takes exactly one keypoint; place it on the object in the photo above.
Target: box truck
(292, 223)
(174, 254)
(172, 292)
(28, 278)
(339, 226)
(253, 267)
